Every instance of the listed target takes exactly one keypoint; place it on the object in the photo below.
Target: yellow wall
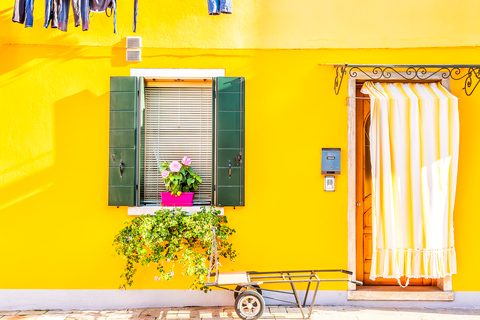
(268, 24)
(56, 230)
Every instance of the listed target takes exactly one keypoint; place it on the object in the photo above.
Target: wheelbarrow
(250, 298)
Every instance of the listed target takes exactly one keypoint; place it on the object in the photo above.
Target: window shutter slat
(122, 142)
(230, 141)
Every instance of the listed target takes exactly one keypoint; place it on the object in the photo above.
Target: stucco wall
(267, 24)
(57, 230)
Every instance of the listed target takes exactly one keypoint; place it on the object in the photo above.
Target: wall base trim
(30, 299)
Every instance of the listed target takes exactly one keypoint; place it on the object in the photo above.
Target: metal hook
(121, 169)
(229, 169)
(113, 157)
(238, 159)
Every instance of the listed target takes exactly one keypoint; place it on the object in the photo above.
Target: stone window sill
(394, 293)
(150, 210)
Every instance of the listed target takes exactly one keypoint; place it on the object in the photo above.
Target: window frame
(164, 74)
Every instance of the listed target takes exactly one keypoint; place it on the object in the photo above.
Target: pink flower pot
(183, 200)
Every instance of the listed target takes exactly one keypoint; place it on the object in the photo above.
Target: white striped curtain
(414, 143)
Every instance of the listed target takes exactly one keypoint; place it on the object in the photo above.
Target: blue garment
(63, 8)
(215, 7)
(28, 13)
(63, 11)
(226, 6)
(51, 13)
(85, 12)
(114, 16)
(135, 10)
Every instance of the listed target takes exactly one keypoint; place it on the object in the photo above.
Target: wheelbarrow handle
(358, 283)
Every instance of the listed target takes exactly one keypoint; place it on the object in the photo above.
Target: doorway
(364, 241)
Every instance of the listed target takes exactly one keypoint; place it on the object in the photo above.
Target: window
(177, 123)
(164, 120)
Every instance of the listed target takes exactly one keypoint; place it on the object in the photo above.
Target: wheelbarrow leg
(294, 289)
(313, 301)
(306, 293)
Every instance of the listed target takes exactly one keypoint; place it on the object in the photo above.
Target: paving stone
(278, 310)
(25, 317)
(153, 313)
(87, 315)
(379, 316)
(334, 316)
(54, 315)
(8, 313)
(336, 308)
(31, 312)
(294, 310)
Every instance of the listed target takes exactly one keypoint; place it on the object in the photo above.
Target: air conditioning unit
(134, 51)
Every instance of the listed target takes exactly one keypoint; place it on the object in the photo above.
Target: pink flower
(175, 166)
(156, 278)
(186, 161)
(172, 273)
(165, 174)
(168, 260)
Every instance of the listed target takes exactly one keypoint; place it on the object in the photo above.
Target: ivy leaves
(169, 237)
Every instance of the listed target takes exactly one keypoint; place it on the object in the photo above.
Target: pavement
(228, 313)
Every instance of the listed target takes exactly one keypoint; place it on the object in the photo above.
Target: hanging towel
(414, 142)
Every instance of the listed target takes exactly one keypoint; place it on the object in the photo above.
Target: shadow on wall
(48, 215)
(80, 144)
(20, 61)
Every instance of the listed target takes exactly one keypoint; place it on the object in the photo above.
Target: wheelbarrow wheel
(240, 289)
(249, 305)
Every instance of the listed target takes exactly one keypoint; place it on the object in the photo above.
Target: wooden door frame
(443, 284)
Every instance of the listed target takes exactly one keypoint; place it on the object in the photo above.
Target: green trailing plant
(179, 176)
(170, 237)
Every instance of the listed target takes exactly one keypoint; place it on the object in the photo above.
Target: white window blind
(177, 123)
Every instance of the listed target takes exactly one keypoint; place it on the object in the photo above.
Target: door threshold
(397, 293)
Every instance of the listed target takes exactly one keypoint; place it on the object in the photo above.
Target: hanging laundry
(103, 6)
(51, 13)
(63, 12)
(215, 7)
(23, 12)
(57, 11)
(85, 13)
(135, 10)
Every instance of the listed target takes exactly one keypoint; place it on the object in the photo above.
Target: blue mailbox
(330, 160)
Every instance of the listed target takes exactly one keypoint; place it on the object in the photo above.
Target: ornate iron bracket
(471, 73)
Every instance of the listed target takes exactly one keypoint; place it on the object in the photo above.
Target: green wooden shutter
(123, 141)
(229, 145)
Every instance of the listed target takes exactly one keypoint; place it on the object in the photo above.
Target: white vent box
(134, 55)
(134, 42)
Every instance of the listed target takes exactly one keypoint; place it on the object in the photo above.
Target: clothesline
(57, 12)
